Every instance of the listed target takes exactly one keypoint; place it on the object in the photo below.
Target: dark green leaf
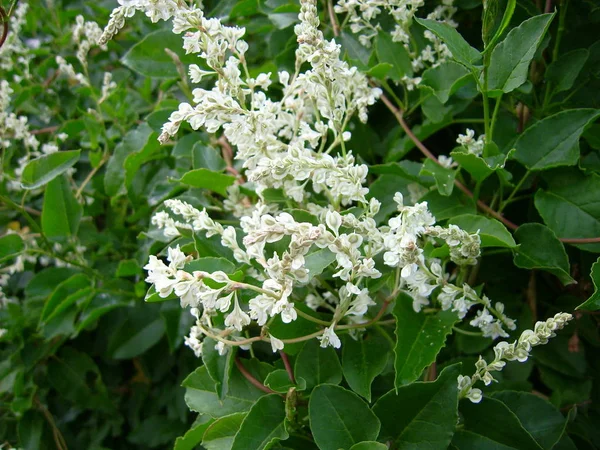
(444, 178)
(369, 445)
(363, 359)
(279, 381)
(510, 59)
(63, 290)
(554, 141)
(192, 438)
(263, 425)
(318, 261)
(10, 246)
(492, 232)
(339, 418)
(539, 248)
(445, 79)
(395, 54)
(542, 420)
(220, 434)
(564, 71)
(318, 365)
(61, 212)
(480, 167)
(593, 303)
(419, 338)
(443, 207)
(421, 413)
(219, 367)
(570, 205)
(204, 178)
(461, 50)
(149, 58)
(206, 157)
(47, 167)
(491, 424)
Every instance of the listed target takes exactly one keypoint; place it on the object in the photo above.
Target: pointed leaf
(564, 71)
(593, 303)
(395, 54)
(44, 169)
(221, 433)
(204, 178)
(445, 79)
(263, 425)
(419, 338)
(10, 246)
(339, 418)
(539, 248)
(61, 212)
(421, 414)
(318, 365)
(219, 367)
(510, 59)
(444, 178)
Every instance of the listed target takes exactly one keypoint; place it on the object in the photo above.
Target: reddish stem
(251, 378)
(288, 366)
(4, 18)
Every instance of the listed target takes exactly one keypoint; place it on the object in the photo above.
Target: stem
(514, 191)
(494, 117)
(467, 333)
(288, 366)
(333, 19)
(251, 378)
(311, 318)
(91, 175)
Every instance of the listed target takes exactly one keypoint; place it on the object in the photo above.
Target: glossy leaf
(491, 424)
(510, 59)
(10, 246)
(569, 205)
(220, 434)
(480, 167)
(461, 50)
(44, 169)
(421, 414)
(279, 381)
(318, 365)
(539, 248)
(148, 56)
(218, 366)
(444, 178)
(339, 418)
(445, 79)
(554, 141)
(395, 54)
(204, 178)
(263, 425)
(492, 232)
(419, 338)
(61, 212)
(363, 359)
(593, 303)
(564, 71)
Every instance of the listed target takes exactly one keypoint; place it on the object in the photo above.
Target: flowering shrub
(293, 224)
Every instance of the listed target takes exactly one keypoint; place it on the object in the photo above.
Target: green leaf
(357, 53)
(510, 59)
(31, 430)
(219, 367)
(206, 157)
(570, 205)
(148, 57)
(444, 178)
(480, 167)
(492, 232)
(279, 381)
(537, 416)
(210, 264)
(142, 330)
(263, 425)
(134, 141)
(201, 396)
(128, 268)
(508, 13)
(461, 50)
(369, 445)
(564, 71)
(443, 207)
(363, 359)
(593, 303)
(339, 418)
(44, 169)
(10, 246)
(421, 413)
(445, 79)
(204, 178)
(395, 54)
(318, 365)
(419, 338)
(491, 424)
(318, 261)
(61, 212)
(220, 434)
(539, 248)
(380, 71)
(192, 438)
(554, 140)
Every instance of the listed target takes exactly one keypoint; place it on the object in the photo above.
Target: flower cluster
(503, 351)
(363, 18)
(470, 144)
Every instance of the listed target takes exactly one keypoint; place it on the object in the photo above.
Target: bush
(299, 225)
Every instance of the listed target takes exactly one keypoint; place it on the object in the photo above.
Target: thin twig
(227, 153)
(4, 18)
(332, 17)
(251, 378)
(45, 130)
(288, 366)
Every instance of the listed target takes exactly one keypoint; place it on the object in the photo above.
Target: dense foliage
(299, 224)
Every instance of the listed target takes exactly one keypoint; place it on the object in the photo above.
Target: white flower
(330, 338)
(276, 344)
(237, 319)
